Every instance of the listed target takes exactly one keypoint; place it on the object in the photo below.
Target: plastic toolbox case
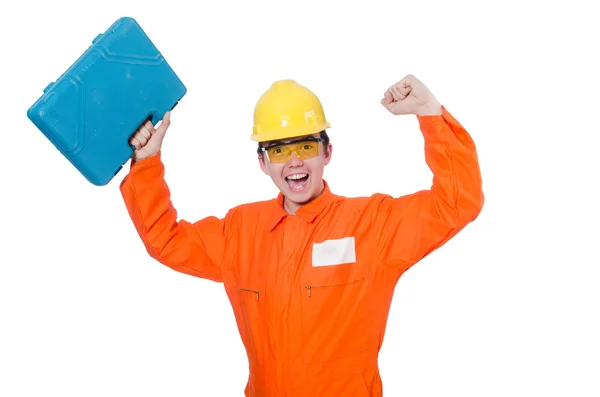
(90, 112)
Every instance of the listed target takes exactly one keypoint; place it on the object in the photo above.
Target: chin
(300, 197)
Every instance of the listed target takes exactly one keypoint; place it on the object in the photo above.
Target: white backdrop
(508, 307)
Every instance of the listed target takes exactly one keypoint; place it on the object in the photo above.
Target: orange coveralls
(311, 292)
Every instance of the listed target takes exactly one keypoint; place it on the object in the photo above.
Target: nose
(294, 160)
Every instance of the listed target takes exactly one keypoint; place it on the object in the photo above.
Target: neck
(291, 206)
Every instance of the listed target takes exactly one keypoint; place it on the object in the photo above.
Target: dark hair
(323, 135)
(325, 138)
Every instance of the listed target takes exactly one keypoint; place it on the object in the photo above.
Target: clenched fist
(148, 140)
(410, 96)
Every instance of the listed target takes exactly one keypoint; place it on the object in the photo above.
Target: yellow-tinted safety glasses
(281, 152)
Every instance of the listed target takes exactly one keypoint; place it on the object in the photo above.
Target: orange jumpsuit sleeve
(192, 248)
(410, 227)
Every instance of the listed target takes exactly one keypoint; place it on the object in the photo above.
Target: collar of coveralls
(308, 211)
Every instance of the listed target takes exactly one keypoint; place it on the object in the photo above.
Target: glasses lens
(307, 149)
(279, 154)
(304, 150)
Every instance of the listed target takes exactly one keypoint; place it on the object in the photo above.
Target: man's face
(297, 176)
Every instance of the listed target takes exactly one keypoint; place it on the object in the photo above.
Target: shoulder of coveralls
(378, 204)
(255, 209)
(361, 202)
(364, 204)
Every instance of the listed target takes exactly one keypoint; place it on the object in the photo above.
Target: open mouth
(297, 182)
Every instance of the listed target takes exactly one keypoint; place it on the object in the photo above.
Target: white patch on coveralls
(334, 252)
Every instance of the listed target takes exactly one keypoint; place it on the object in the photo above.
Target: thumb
(160, 132)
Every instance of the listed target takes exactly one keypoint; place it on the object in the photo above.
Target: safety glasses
(281, 152)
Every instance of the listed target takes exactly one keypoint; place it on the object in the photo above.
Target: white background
(508, 307)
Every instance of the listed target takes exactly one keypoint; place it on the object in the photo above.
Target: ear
(263, 166)
(328, 153)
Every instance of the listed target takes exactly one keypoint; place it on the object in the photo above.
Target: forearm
(452, 157)
(189, 248)
(148, 202)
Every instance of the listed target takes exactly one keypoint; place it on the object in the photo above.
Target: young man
(310, 274)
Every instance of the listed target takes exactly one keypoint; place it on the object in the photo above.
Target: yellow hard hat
(287, 109)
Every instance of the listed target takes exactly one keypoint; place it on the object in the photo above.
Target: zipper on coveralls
(308, 287)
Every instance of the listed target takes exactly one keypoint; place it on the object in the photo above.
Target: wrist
(431, 108)
(136, 159)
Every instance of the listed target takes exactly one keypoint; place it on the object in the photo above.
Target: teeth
(297, 176)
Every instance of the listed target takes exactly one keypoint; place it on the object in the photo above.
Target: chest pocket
(336, 310)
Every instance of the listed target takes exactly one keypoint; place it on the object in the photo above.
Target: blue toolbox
(91, 111)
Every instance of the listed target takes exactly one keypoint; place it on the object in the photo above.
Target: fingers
(395, 93)
(147, 131)
(136, 143)
(400, 91)
(387, 98)
(147, 140)
(394, 97)
(143, 134)
(402, 88)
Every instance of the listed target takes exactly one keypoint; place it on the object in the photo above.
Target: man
(310, 275)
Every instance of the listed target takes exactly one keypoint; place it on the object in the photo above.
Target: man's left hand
(411, 96)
